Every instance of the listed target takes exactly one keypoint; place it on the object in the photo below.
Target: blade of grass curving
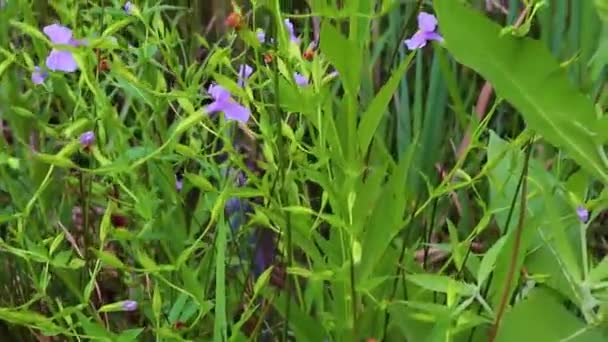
(374, 113)
(220, 332)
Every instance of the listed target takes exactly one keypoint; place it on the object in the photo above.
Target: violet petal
(234, 111)
(427, 22)
(300, 79)
(417, 41)
(219, 93)
(58, 34)
(38, 75)
(62, 61)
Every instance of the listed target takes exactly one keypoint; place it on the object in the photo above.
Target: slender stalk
(506, 225)
(516, 247)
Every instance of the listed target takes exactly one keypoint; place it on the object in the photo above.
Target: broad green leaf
(551, 322)
(525, 73)
(504, 178)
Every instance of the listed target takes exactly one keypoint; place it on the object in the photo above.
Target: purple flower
(244, 72)
(235, 208)
(59, 59)
(129, 305)
(238, 177)
(300, 79)
(179, 184)
(87, 138)
(233, 205)
(261, 36)
(290, 29)
(128, 7)
(582, 213)
(223, 102)
(39, 75)
(264, 250)
(427, 23)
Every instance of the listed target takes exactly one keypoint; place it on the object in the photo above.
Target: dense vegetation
(321, 170)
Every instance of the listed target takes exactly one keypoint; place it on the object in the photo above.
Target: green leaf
(110, 259)
(186, 105)
(178, 307)
(441, 283)
(221, 326)
(552, 322)
(602, 9)
(199, 182)
(116, 26)
(29, 30)
(94, 329)
(599, 273)
(55, 160)
(305, 327)
(344, 56)
(386, 220)
(129, 335)
(157, 303)
(28, 318)
(375, 111)
(525, 73)
(6, 64)
(489, 260)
